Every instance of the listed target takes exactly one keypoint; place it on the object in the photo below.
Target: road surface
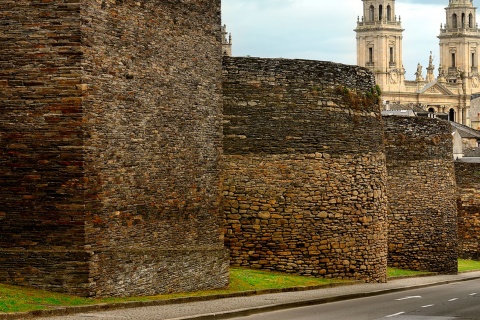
(452, 301)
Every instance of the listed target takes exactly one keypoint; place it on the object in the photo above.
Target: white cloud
(323, 30)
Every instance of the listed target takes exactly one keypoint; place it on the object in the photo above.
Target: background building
(379, 48)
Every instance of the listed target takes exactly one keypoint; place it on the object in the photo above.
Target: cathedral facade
(447, 90)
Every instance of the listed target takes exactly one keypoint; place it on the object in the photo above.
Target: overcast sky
(323, 29)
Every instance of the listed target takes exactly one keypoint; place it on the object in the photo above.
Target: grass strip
(399, 273)
(23, 299)
(468, 265)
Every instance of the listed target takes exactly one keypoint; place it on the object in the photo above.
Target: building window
(451, 115)
(380, 12)
(392, 56)
(454, 21)
(463, 20)
(372, 13)
(453, 61)
(389, 13)
(370, 55)
(473, 60)
(470, 20)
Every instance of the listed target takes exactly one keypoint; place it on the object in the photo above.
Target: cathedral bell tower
(379, 43)
(460, 45)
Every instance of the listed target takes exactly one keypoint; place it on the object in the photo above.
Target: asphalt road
(452, 301)
(438, 299)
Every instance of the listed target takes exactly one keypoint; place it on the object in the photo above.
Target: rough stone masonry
(468, 204)
(422, 218)
(110, 144)
(111, 158)
(305, 174)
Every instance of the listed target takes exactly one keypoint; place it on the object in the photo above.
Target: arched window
(454, 21)
(372, 13)
(431, 110)
(451, 115)
(470, 21)
(389, 13)
(380, 12)
(463, 20)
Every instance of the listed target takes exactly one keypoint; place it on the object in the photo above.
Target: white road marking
(454, 299)
(428, 306)
(394, 315)
(411, 297)
(473, 294)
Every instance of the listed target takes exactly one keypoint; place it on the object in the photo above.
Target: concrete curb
(64, 311)
(307, 303)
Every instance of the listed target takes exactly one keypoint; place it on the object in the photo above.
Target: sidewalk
(228, 307)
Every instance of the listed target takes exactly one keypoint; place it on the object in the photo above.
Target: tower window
(454, 21)
(473, 60)
(470, 20)
(372, 13)
(389, 13)
(392, 57)
(453, 61)
(370, 55)
(380, 12)
(463, 20)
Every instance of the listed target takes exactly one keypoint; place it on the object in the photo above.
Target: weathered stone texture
(468, 204)
(42, 190)
(422, 220)
(110, 146)
(305, 174)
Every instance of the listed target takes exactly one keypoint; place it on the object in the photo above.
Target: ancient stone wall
(110, 123)
(42, 190)
(421, 194)
(468, 204)
(305, 174)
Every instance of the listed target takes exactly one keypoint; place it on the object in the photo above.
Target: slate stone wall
(111, 140)
(305, 174)
(42, 189)
(468, 203)
(422, 220)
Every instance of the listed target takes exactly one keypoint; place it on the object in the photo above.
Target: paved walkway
(225, 308)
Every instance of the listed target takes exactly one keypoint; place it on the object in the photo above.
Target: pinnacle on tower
(226, 42)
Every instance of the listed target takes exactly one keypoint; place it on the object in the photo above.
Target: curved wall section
(421, 194)
(305, 175)
(468, 203)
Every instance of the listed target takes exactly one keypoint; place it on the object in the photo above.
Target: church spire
(226, 42)
(379, 11)
(379, 42)
(459, 38)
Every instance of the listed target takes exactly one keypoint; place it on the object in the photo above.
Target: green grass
(247, 279)
(468, 265)
(395, 273)
(21, 299)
